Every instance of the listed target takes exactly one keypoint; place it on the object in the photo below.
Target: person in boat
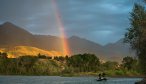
(103, 75)
(99, 76)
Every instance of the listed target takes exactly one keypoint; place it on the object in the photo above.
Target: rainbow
(64, 41)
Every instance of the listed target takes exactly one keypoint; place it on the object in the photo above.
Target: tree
(109, 65)
(129, 63)
(26, 62)
(136, 34)
(83, 62)
(3, 55)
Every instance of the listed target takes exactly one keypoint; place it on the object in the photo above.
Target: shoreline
(82, 76)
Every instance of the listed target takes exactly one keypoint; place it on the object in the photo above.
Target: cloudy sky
(101, 21)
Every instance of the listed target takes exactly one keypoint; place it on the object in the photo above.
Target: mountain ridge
(20, 37)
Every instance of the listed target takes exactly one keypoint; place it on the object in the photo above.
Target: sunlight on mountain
(25, 50)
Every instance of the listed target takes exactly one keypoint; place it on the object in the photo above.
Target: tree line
(45, 65)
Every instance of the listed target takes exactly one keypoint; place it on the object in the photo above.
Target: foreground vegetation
(76, 65)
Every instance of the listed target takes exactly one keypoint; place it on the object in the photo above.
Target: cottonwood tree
(136, 34)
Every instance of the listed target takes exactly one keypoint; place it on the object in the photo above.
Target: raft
(103, 79)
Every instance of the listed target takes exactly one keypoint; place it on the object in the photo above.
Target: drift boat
(102, 79)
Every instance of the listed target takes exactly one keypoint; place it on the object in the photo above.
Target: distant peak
(74, 37)
(7, 23)
(12, 28)
(121, 40)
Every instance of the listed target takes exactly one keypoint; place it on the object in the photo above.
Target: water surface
(63, 80)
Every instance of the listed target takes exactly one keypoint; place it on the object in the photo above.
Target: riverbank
(81, 74)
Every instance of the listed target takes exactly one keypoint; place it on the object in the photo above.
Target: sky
(101, 21)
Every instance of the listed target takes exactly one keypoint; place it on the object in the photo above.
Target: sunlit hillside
(25, 50)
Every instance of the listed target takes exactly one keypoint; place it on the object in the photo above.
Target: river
(63, 80)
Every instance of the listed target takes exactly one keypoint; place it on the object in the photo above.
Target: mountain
(81, 45)
(118, 46)
(48, 42)
(116, 50)
(12, 36)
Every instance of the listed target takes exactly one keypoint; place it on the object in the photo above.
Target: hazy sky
(101, 21)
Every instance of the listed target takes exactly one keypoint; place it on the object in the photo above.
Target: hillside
(26, 50)
(48, 42)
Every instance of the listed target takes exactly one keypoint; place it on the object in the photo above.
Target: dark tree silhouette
(84, 62)
(136, 34)
(129, 63)
(3, 55)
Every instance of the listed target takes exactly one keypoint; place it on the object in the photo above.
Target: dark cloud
(101, 21)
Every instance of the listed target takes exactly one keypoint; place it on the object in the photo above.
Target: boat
(102, 79)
